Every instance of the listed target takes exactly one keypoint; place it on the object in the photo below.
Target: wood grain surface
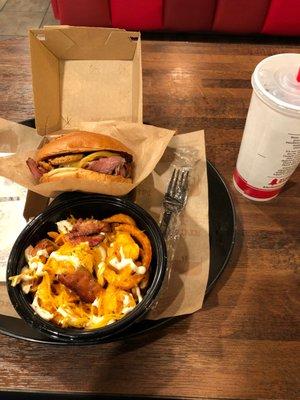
(244, 343)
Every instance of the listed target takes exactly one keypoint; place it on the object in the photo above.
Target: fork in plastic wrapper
(174, 202)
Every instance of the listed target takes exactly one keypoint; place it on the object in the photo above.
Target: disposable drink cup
(270, 148)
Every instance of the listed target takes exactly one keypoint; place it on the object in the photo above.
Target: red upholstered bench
(189, 15)
(283, 18)
(274, 17)
(82, 12)
(242, 16)
(132, 14)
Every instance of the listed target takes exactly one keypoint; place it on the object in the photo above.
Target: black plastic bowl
(88, 205)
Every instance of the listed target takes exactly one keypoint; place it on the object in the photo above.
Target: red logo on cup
(274, 181)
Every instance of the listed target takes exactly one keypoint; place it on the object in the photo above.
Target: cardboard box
(84, 74)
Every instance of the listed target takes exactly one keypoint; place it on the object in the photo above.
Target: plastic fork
(175, 197)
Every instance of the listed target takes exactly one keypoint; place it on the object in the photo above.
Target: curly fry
(142, 239)
(121, 219)
(53, 235)
(60, 239)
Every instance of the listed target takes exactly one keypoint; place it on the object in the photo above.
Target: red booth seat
(55, 9)
(132, 14)
(283, 18)
(274, 17)
(242, 16)
(83, 12)
(189, 15)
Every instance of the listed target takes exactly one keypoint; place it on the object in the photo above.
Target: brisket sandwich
(83, 155)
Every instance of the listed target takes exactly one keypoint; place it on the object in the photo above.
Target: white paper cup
(270, 148)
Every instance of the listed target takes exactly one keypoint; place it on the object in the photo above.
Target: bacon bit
(82, 283)
(44, 244)
(88, 227)
(92, 240)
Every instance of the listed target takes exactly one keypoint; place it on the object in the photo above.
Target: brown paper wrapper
(185, 290)
(147, 144)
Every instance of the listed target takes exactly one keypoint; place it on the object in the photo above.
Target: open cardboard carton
(83, 75)
(80, 75)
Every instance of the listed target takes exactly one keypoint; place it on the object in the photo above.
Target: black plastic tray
(221, 236)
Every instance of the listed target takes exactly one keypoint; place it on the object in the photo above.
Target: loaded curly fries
(89, 273)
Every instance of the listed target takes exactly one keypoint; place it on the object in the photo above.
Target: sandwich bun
(81, 142)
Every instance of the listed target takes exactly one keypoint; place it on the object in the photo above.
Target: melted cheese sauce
(119, 265)
(64, 258)
(96, 302)
(41, 311)
(64, 226)
(126, 300)
(36, 264)
(138, 294)
(126, 310)
(26, 287)
(62, 312)
(101, 268)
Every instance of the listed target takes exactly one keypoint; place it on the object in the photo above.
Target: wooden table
(244, 343)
